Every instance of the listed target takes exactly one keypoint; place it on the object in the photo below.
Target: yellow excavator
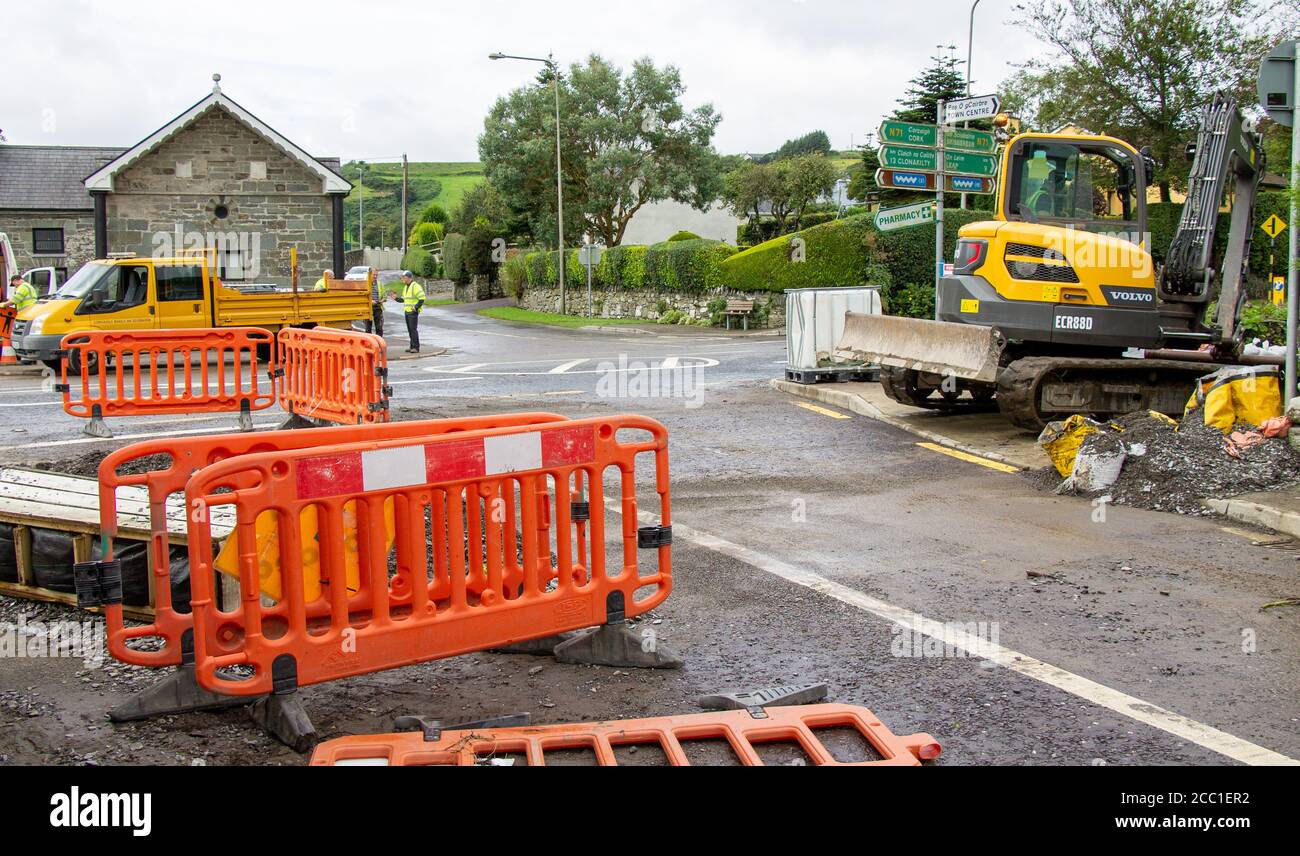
(1054, 307)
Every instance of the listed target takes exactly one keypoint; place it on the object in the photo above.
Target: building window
(185, 169)
(257, 170)
(47, 242)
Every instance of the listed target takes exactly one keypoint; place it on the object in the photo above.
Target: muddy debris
(1173, 468)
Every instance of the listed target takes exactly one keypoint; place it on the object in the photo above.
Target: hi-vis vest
(412, 296)
(24, 295)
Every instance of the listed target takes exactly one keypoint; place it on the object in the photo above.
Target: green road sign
(889, 219)
(927, 160)
(909, 134)
(968, 140)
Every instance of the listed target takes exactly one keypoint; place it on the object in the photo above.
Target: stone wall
(650, 305)
(154, 210)
(478, 288)
(78, 237)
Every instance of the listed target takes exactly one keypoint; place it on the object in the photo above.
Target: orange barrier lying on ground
(477, 504)
(138, 372)
(332, 375)
(173, 621)
(821, 735)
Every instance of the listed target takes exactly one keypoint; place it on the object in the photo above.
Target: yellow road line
(974, 459)
(822, 410)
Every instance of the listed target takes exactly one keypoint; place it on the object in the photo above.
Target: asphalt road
(803, 536)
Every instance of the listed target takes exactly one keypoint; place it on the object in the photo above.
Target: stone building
(215, 177)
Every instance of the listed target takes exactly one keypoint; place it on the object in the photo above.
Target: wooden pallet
(39, 499)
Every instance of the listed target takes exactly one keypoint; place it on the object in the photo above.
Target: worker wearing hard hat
(323, 282)
(21, 293)
(412, 303)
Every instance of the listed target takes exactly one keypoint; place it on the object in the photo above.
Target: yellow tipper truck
(172, 293)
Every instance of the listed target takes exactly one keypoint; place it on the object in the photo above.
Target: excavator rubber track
(901, 385)
(1028, 395)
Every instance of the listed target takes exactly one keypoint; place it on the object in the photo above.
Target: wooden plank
(138, 613)
(23, 555)
(81, 547)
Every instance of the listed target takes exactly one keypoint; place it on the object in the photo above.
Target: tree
(626, 141)
(1141, 70)
(942, 80)
(815, 141)
(747, 187)
(807, 177)
(433, 213)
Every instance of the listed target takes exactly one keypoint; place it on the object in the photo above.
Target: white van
(45, 279)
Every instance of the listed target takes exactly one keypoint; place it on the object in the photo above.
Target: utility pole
(361, 204)
(404, 229)
(970, 46)
(938, 203)
(1293, 245)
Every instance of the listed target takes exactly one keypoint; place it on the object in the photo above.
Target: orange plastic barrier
(472, 567)
(332, 375)
(164, 484)
(823, 735)
(139, 372)
(7, 316)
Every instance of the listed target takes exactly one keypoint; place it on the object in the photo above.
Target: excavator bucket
(962, 350)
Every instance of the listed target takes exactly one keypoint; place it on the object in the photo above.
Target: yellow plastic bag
(268, 551)
(1249, 394)
(1060, 440)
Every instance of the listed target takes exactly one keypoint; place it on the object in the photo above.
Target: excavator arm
(1226, 151)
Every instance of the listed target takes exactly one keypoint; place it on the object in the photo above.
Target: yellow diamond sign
(1273, 226)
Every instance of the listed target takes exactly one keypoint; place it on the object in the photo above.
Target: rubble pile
(1168, 467)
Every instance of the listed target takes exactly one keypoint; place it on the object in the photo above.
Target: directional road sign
(889, 219)
(926, 137)
(927, 160)
(966, 109)
(1272, 227)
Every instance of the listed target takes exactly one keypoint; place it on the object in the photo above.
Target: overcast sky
(372, 79)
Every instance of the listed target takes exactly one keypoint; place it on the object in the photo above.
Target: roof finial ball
(216, 83)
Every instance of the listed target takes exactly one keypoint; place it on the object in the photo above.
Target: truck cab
(139, 293)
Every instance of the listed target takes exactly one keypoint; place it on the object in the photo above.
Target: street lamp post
(970, 45)
(361, 204)
(549, 62)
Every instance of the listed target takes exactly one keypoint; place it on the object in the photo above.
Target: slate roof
(50, 178)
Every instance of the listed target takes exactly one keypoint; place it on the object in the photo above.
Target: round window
(221, 212)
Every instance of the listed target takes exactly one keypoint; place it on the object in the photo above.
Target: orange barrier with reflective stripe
(478, 504)
(332, 375)
(138, 372)
(189, 454)
(823, 735)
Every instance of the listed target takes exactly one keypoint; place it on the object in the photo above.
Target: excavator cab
(1045, 298)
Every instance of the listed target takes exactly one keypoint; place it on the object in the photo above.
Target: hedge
(419, 262)
(1162, 219)
(850, 251)
(686, 265)
(453, 258)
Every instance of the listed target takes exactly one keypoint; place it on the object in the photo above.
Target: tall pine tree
(942, 80)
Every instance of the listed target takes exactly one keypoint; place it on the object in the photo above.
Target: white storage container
(814, 321)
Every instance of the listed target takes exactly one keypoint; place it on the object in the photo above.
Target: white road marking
(58, 401)
(609, 365)
(433, 380)
(564, 367)
(1180, 726)
(139, 436)
(668, 363)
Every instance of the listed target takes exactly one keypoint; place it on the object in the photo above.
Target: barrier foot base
(285, 719)
(295, 421)
(245, 421)
(616, 645)
(543, 647)
(176, 693)
(96, 428)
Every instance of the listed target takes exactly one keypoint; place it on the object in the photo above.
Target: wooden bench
(738, 308)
